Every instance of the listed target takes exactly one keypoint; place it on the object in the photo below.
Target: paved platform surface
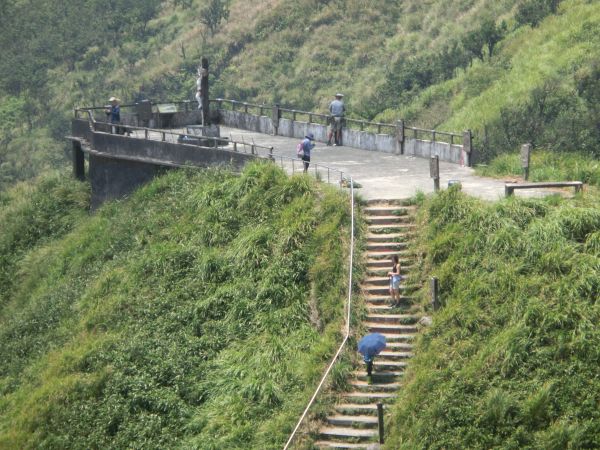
(381, 175)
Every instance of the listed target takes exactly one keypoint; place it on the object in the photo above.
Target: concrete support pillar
(276, 115)
(78, 161)
(467, 148)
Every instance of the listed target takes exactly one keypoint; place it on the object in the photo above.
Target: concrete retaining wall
(119, 164)
(445, 151)
(245, 121)
(167, 153)
(352, 138)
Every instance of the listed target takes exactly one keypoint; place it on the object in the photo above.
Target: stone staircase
(353, 423)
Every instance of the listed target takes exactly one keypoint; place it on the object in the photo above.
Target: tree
(213, 13)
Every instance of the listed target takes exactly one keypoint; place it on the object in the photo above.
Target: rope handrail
(347, 331)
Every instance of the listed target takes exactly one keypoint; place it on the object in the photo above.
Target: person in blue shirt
(307, 145)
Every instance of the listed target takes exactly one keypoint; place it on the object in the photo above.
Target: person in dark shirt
(113, 113)
(337, 111)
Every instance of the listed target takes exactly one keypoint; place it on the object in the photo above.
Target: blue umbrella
(371, 344)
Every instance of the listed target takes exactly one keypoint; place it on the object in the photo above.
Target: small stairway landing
(353, 422)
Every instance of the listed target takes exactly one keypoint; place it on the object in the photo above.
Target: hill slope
(204, 301)
(511, 360)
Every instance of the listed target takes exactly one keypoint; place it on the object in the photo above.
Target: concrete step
(386, 299)
(390, 202)
(382, 377)
(397, 227)
(388, 220)
(382, 365)
(386, 246)
(364, 386)
(404, 319)
(383, 290)
(339, 420)
(388, 210)
(387, 328)
(372, 280)
(391, 354)
(357, 408)
(390, 237)
(383, 265)
(387, 255)
(395, 337)
(369, 397)
(341, 445)
(347, 432)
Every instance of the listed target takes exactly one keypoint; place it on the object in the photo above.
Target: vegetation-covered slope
(196, 314)
(511, 360)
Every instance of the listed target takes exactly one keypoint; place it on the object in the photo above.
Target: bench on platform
(510, 187)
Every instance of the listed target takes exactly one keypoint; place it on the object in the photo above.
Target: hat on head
(114, 99)
(310, 136)
(339, 95)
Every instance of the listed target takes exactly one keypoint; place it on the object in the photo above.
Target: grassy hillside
(540, 86)
(197, 314)
(511, 360)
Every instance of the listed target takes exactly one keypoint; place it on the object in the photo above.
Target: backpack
(300, 149)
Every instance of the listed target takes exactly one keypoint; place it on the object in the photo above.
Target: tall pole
(204, 86)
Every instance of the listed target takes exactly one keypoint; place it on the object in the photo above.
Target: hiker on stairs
(394, 275)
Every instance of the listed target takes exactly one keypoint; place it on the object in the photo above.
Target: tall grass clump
(197, 314)
(547, 166)
(511, 359)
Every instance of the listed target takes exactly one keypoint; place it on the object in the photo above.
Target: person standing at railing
(307, 145)
(337, 109)
(113, 114)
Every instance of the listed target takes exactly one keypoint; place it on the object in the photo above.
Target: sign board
(434, 167)
(169, 108)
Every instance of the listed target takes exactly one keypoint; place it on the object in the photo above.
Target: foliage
(510, 360)
(213, 13)
(547, 166)
(184, 317)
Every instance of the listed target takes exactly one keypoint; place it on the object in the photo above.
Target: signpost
(525, 156)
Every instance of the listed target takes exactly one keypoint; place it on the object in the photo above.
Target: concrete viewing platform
(381, 175)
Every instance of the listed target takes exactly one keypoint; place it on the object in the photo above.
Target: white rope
(347, 335)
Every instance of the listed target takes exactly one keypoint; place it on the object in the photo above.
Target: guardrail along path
(353, 423)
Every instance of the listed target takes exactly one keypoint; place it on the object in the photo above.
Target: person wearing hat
(307, 145)
(113, 113)
(337, 111)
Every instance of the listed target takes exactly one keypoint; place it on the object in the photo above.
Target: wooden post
(468, 147)
(380, 420)
(205, 92)
(435, 299)
(400, 135)
(434, 172)
(525, 156)
(78, 161)
(276, 115)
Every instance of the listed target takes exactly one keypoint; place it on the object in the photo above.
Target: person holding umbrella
(370, 346)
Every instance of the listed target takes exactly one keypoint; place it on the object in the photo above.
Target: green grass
(547, 166)
(198, 314)
(511, 358)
